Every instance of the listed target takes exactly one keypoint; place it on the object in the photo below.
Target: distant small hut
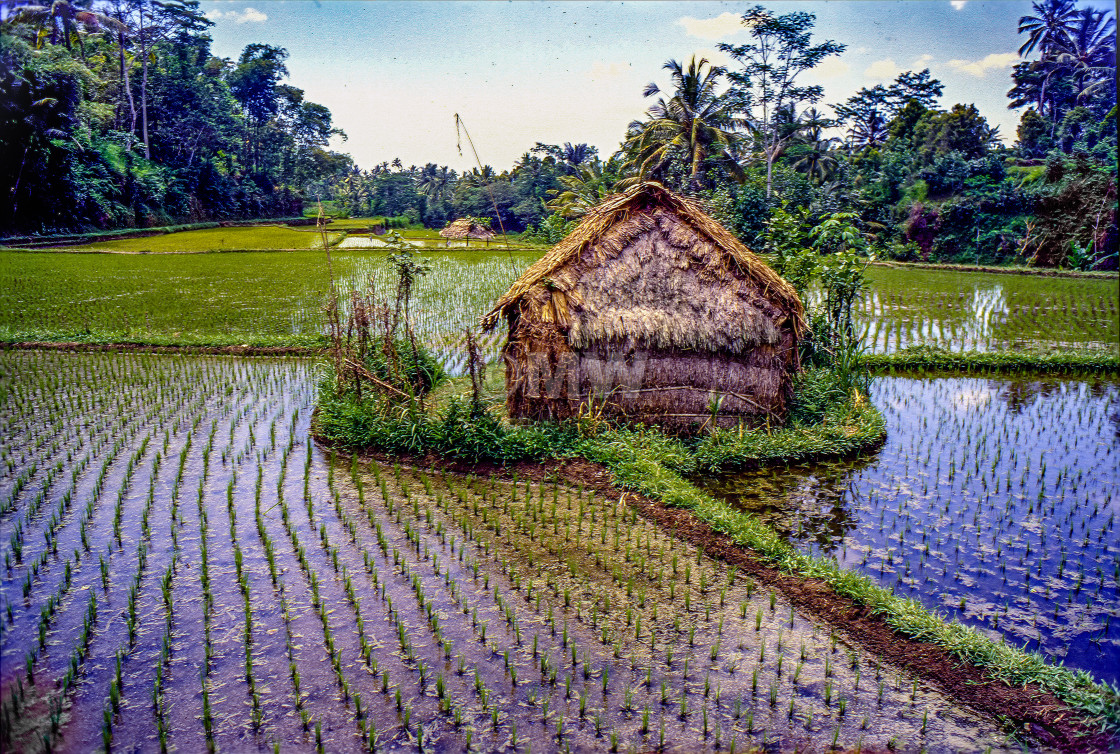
(465, 228)
(650, 311)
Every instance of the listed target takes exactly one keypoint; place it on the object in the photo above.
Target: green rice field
(993, 502)
(186, 570)
(275, 298)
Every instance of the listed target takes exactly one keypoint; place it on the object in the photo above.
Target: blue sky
(394, 73)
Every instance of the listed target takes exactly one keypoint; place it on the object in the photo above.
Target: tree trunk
(127, 86)
(19, 177)
(144, 87)
(769, 169)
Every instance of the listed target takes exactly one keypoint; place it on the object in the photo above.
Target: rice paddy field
(275, 299)
(184, 569)
(993, 502)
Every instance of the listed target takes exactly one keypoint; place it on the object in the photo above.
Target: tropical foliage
(117, 115)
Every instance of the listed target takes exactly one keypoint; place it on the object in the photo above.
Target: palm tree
(478, 177)
(870, 132)
(1050, 24)
(1087, 53)
(580, 191)
(63, 18)
(819, 162)
(695, 125)
(436, 183)
(575, 155)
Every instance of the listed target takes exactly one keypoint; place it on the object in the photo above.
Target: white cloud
(921, 61)
(604, 71)
(249, 15)
(831, 68)
(723, 25)
(979, 68)
(958, 4)
(882, 69)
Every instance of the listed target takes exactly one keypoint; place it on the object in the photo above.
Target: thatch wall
(464, 228)
(652, 312)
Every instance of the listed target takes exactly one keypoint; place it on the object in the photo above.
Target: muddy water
(993, 501)
(256, 592)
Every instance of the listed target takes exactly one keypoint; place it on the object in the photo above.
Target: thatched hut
(652, 312)
(466, 229)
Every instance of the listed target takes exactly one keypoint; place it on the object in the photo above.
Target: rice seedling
(1017, 469)
(480, 604)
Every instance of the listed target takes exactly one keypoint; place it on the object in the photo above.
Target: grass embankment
(72, 239)
(927, 359)
(658, 468)
(1002, 269)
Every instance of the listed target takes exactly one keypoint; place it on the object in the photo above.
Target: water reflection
(805, 503)
(993, 501)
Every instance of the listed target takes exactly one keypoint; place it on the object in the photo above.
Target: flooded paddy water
(185, 569)
(993, 501)
(987, 311)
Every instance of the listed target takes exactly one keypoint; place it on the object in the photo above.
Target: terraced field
(185, 569)
(993, 501)
(276, 299)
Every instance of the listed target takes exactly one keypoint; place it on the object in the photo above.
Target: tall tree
(766, 86)
(1076, 64)
(1050, 23)
(156, 22)
(868, 112)
(696, 124)
(254, 82)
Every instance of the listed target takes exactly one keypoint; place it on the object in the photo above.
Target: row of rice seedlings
(423, 567)
(57, 519)
(49, 611)
(987, 319)
(131, 614)
(990, 502)
(31, 510)
(50, 538)
(499, 600)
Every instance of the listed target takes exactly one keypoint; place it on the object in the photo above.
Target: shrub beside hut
(466, 228)
(652, 312)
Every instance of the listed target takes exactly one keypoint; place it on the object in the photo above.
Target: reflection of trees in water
(804, 503)
(1019, 394)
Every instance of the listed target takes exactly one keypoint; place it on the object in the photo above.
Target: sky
(394, 74)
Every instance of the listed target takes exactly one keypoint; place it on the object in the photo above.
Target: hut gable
(669, 288)
(655, 310)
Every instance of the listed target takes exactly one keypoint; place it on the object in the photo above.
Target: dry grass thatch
(618, 219)
(652, 311)
(464, 228)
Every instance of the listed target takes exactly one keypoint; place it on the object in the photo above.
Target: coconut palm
(580, 191)
(63, 19)
(479, 178)
(819, 161)
(1050, 24)
(697, 124)
(870, 132)
(576, 155)
(437, 183)
(1087, 53)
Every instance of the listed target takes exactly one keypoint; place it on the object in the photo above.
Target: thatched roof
(623, 301)
(465, 228)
